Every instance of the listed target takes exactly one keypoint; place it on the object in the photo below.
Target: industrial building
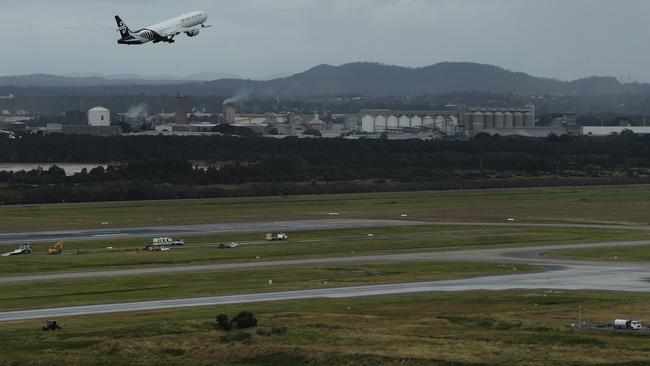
(99, 124)
(380, 121)
(495, 120)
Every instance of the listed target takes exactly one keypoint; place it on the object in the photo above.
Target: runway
(180, 230)
(560, 274)
(270, 226)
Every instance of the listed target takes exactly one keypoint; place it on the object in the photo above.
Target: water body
(70, 169)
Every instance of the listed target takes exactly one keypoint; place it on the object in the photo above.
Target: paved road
(560, 274)
(180, 230)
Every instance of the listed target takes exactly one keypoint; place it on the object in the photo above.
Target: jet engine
(193, 32)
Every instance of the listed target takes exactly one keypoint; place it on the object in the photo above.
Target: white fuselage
(190, 24)
(184, 22)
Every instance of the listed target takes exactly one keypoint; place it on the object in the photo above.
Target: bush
(245, 319)
(223, 323)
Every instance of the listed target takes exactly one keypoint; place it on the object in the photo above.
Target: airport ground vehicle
(627, 324)
(24, 249)
(56, 249)
(277, 236)
(167, 242)
(156, 248)
(230, 245)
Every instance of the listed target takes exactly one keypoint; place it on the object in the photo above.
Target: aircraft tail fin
(125, 32)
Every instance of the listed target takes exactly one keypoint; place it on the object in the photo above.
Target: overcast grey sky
(564, 39)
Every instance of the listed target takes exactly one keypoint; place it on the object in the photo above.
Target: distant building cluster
(451, 122)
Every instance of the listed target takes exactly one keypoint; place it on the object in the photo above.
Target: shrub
(223, 323)
(245, 319)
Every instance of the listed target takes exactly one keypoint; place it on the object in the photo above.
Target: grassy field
(305, 245)
(626, 254)
(616, 205)
(142, 288)
(504, 328)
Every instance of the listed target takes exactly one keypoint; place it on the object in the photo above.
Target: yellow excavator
(57, 249)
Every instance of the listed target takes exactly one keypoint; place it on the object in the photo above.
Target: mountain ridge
(359, 79)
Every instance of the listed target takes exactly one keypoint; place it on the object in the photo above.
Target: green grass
(616, 205)
(491, 328)
(141, 288)
(306, 245)
(624, 254)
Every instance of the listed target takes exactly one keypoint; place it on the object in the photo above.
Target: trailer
(627, 324)
(277, 236)
(24, 249)
(167, 242)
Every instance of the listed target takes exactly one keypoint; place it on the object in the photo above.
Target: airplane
(190, 24)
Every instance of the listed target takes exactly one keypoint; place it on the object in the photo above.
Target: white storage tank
(99, 116)
(392, 122)
(416, 121)
(508, 120)
(489, 120)
(380, 124)
(428, 121)
(404, 121)
(529, 119)
(499, 119)
(519, 119)
(368, 124)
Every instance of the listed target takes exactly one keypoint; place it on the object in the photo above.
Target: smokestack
(181, 114)
(229, 114)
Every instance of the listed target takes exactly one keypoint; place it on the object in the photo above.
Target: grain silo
(416, 121)
(508, 120)
(440, 123)
(404, 122)
(529, 120)
(518, 119)
(99, 116)
(368, 124)
(499, 119)
(380, 124)
(427, 121)
(392, 123)
(489, 120)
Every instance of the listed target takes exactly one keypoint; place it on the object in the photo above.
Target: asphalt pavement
(560, 274)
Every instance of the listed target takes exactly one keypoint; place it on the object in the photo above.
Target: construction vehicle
(24, 249)
(277, 236)
(627, 324)
(167, 242)
(56, 249)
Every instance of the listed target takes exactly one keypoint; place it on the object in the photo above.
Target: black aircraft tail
(125, 32)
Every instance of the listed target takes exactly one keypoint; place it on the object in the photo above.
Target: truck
(24, 249)
(167, 242)
(277, 236)
(627, 324)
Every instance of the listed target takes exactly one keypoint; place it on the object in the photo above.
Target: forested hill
(372, 80)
